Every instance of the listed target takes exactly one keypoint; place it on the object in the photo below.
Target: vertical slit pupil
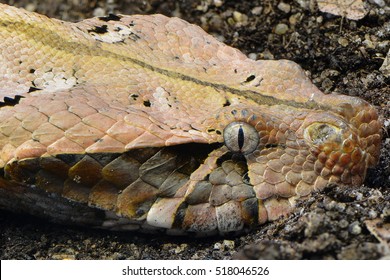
(240, 137)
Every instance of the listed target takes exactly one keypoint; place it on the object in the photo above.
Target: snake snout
(341, 157)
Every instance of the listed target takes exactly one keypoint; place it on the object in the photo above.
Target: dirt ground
(339, 55)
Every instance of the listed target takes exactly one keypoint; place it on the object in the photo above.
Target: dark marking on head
(271, 145)
(134, 96)
(110, 17)
(227, 103)
(234, 112)
(134, 37)
(259, 83)
(147, 103)
(99, 29)
(31, 89)
(32, 71)
(8, 101)
(250, 78)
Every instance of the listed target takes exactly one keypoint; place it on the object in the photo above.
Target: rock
(284, 7)
(355, 228)
(281, 28)
(257, 10)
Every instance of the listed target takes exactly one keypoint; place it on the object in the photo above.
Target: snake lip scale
(148, 123)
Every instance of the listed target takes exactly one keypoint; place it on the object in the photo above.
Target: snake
(148, 123)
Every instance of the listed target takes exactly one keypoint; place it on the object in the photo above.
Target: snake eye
(241, 137)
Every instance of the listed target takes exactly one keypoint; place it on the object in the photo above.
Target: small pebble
(343, 42)
(215, 22)
(355, 228)
(63, 257)
(225, 245)
(368, 44)
(372, 214)
(304, 4)
(284, 7)
(239, 17)
(295, 18)
(266, 54)
(257, 10)
(228, 244)
(380, 3)
(383, 45)
(181, 248)
(281, 29)
(359, 196)
(99, 12)
(252, 56)
(217, 246)
(31, 7)
(340, 206)
(218, 3)
(327, 84)
(343, 223)
(331, 205)
(117, 256)
(385, 213)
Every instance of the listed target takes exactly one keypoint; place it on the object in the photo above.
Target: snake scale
(148, 123)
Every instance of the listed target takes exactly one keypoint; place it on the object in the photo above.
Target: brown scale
(127, 183)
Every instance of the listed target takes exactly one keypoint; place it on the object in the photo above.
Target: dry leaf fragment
(351, 9)
(385, 68)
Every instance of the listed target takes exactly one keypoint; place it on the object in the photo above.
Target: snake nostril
(319, 133)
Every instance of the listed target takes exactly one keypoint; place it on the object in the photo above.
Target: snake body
(148, 123)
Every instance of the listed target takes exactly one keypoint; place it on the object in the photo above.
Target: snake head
(269, 160)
